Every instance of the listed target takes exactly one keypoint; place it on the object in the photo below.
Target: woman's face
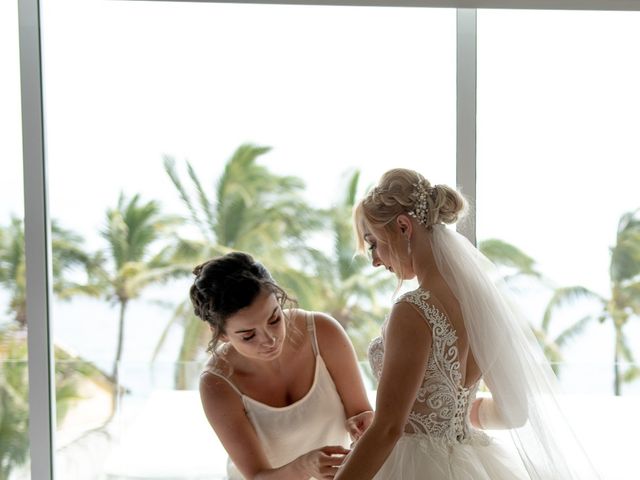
(259, 330)
(381, 256)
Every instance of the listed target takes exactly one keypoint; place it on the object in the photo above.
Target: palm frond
(205, 203)
(503, 253)
(631, 374)
(566, 296)
(574, 330)
(624, 348)
(195, 338)
(625, 255)
(170, 168)
(352, 191)
(180, 316)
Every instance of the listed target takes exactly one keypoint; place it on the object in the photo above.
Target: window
(14, 380)
(330, 90)
(558, 161)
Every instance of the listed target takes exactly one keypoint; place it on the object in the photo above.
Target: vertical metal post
(37, 247)
(466, 76)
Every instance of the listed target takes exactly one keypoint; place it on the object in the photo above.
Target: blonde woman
(438, 342)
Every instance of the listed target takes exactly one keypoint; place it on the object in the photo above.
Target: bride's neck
(424, 263)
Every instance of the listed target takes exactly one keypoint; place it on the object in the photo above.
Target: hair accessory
(420, 209)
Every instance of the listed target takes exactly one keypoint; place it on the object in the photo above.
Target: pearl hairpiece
(420, 209)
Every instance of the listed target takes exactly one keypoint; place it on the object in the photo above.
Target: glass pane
(272, 92)
(557, 177)
(14, 375)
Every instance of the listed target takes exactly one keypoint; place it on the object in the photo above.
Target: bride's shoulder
(417, 296)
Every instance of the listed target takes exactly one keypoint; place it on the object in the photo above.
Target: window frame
(37, 222)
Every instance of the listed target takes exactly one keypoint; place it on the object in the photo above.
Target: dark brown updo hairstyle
(224, 285)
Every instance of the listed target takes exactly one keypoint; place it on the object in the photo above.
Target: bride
(439, 342)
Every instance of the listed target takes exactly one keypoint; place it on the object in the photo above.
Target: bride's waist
(470, 436)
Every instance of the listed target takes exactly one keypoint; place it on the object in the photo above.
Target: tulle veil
(515, 369)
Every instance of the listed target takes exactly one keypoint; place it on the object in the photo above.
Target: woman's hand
(323, 463)
(358, 424)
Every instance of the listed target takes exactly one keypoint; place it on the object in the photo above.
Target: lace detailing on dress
(442, 402)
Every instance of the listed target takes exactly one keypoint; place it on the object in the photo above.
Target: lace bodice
(442, 402)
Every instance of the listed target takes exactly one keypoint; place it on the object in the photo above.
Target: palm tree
(349, 289)
(520, 265)
(68, 255)
(14, 403)
(70, 372)
(252, 210)
(138, 258)
(553, 346)
(623, 302)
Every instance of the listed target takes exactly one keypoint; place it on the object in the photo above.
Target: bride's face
(381, 256)
(259, 330)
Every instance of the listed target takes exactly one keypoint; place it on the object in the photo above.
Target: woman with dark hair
(282, 389)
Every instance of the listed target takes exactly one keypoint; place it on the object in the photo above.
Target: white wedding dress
(439, 443)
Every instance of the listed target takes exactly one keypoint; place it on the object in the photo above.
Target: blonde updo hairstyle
(396, 194)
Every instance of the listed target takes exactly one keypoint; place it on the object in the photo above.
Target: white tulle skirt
(421, 457)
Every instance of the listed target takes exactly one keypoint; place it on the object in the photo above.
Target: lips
(271, 351)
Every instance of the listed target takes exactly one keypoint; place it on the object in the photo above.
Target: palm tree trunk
(21, 316)
(617, 378)
(115, 375)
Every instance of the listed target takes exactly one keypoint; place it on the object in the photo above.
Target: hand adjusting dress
(316, 420)
(439, 443)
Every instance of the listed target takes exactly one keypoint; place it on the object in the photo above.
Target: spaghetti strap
(212, 372)
(311, 328)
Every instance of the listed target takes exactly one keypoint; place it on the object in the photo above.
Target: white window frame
(37, 228)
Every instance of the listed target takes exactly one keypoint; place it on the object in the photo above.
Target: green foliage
(14, 409)
(520, 264)
(138, 255)
(620, 307)
(14, 394)
(350, 287)
(508, 255)
(253, 210)
(69, 257)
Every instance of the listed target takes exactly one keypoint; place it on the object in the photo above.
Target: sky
(332, 89)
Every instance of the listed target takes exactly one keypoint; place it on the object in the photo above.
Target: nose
(268, 340)
(375, 260)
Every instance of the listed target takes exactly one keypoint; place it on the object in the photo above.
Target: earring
(408, 245)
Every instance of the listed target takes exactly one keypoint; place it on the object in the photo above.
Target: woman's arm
(340, 357)
(485, 414)
(406, 349)
(225, 412)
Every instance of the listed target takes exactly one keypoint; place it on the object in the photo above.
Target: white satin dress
(316, 420)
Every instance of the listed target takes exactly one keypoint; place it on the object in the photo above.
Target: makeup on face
(377, 252)
(258, 330)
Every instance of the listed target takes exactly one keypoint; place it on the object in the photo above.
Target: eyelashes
(250, 337)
